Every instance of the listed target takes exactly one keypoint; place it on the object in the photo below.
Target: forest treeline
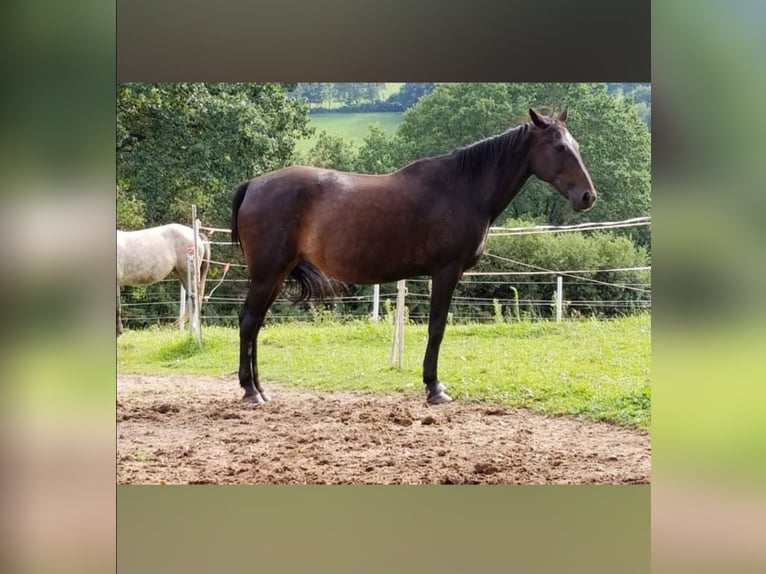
(349, 97)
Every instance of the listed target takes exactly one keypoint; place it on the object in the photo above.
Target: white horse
(149, 255)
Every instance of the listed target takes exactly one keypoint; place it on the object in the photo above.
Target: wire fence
(523, 290)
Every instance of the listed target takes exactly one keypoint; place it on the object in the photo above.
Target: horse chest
(473, 259)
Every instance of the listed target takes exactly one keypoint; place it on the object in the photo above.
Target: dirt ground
(194, 429)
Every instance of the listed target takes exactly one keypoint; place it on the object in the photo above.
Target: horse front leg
(443, 286)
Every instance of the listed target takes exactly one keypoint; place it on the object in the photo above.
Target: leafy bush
(602, 293)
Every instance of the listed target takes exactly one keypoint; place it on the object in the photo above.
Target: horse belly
(365, 272)
(144, 268)
(369, 251)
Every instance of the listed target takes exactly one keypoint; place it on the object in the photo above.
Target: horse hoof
(439, 398)
(255, 399)
(266, 397)
(436, 394)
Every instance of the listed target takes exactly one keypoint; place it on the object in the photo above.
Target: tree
(644, 112)
(311, 91)
(371, 91)
(347, 93)
(332, 151)
(179, 144)
(409, 94)
(454, 115)
(641, 94)
(330, 94)
(130, 212)
(382, 153)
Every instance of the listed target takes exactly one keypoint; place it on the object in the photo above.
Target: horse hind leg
(184, 316)
(256, 380)
(190, 302)
(251, 317)
(248, 331)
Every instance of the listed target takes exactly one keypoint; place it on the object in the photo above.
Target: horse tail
(312, 283)
(204, 266)
(236, 203)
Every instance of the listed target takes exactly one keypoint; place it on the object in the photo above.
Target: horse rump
(236, 203)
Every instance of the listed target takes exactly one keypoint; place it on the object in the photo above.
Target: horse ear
(537, 120)
(563, 114)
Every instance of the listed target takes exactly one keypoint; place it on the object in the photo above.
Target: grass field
(352, 127)
(595, 369)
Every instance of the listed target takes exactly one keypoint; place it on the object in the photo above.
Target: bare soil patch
(184, 429)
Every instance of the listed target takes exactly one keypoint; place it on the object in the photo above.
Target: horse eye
(559, 147)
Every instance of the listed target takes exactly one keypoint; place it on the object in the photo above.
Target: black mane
(495, 152)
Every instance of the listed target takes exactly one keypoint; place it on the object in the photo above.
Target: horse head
(555, 158)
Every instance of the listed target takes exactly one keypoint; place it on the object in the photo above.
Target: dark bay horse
(428, 218)
(149, 255)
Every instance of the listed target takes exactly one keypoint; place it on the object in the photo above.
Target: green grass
(595, 369)
(352, 127)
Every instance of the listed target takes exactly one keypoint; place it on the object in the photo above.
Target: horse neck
(500, 192)
(496, 169)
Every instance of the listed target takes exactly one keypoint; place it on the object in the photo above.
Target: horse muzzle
(584, 200)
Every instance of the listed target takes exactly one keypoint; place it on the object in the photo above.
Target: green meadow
(351, 127)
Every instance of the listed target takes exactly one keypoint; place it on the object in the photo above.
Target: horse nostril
(587, 198)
